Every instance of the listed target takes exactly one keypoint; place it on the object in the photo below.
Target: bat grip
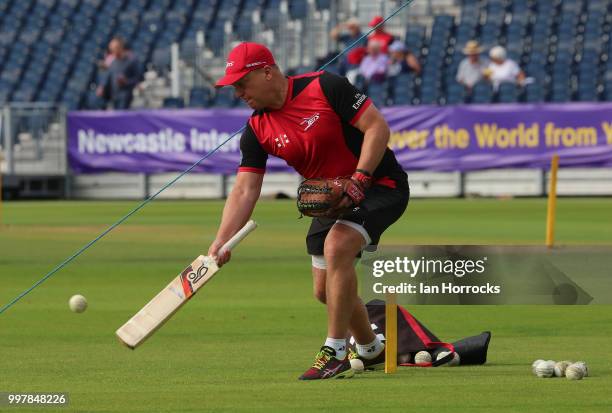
(238, 236)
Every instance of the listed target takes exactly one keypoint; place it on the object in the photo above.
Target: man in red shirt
(323, 127)
(380, 35)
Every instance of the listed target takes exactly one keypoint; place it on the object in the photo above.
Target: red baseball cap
(376, 21)
(243, 59)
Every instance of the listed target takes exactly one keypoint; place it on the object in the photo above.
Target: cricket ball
(77, 303)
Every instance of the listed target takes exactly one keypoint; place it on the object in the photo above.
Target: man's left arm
(375, 139)
(357, 109)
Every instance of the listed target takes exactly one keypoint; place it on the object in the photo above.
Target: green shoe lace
(321, 360)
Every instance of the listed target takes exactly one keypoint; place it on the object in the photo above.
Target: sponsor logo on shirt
(281, 141)
(360, 98)
(229, 64)
(310, 121)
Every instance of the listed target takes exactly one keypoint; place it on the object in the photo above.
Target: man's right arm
(245, 193)
(237, 211)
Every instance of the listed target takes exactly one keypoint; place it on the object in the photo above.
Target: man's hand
(355, 188)
(214, 250)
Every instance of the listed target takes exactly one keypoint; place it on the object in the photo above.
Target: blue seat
(415, 33)
(323, 4)
(507, 93)
(377, 92)
(298, 9)
(24, 95)
(199, 97)
(455, 94)
(403, 96)
(587, 95)
(173, 103)
(224, 98)
(607, 91)
(429, 96)
(560, 95)
(482, 93)
(161, 59)
(244, 29)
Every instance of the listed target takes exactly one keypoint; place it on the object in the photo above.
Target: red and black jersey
(314, 133)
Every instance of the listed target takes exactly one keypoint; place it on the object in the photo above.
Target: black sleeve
(253, 155)
(345, 99)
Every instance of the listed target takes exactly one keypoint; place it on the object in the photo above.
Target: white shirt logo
(281, 141)
(360, 98)
(254, 64)
(310, 121)
(229, 64)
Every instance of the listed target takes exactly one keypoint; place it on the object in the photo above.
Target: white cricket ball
(545, 368)
(574, 372)
(454, 362)
(560, 368)
(357, 365)
(534, 364)
(422, 357)
(78, 303)
(403, 358)
(584, 368)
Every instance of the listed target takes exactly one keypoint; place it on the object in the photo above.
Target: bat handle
(239, 236)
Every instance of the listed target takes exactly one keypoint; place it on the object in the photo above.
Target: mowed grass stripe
(240, 344)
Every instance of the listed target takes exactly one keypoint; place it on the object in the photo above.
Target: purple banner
(458, 138)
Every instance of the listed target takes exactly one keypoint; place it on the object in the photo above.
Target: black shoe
(327, 366)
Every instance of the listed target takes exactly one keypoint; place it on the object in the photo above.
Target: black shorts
(381, 207)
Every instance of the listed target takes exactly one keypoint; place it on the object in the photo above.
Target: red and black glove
(355, 188)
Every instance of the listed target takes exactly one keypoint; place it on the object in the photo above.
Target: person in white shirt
(501, 69)
(373, 67)
(471, 67)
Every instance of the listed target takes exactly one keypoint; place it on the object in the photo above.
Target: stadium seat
(508, 93)
(199, 97)
(482, 93)
(415, 33)
(377, 92)
(224, 98)
(161, 59)
(456, 94)
(173, 103)
(298, 9)
(563, 45)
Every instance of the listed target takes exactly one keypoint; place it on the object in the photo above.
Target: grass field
(243, 341)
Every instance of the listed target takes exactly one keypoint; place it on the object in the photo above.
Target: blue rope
(186, 171)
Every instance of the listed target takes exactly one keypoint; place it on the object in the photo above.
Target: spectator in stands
(401, 60)
(471, 68)
(501, 69)
(122, 76)
(373, 67)
(380, 35)
(348, 32)
(105, 63)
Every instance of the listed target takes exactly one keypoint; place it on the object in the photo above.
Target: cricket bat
(159, 310)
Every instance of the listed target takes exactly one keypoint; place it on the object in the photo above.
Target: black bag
(412, 337)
